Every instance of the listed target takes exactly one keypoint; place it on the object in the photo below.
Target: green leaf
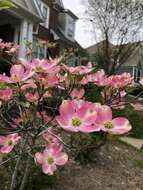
(70, 77)
(5, 4)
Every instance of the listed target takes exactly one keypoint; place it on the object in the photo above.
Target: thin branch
(26, 173)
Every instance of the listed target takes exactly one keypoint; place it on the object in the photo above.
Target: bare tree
(118, 22)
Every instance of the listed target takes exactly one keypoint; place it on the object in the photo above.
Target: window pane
(45, 12)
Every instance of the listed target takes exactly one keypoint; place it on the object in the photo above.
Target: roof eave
(35, 18)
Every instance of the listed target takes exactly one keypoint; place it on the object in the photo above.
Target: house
(17, 24)
(126, 57)
(34, 20)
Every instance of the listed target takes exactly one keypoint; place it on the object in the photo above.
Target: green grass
(139, 163)
(136, 120)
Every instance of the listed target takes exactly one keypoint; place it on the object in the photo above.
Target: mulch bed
(118, 167)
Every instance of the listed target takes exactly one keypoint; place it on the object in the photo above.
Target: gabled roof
(60, 3)
(94, 48)
(69, 12)
(64, 39)
(28, 7)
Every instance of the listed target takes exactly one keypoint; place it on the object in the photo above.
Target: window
(45, 12)
(136, 74)
(38, 3)
(70, 31)
(38, 52)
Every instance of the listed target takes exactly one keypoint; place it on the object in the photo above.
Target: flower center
(15, 78)
(50, 160)
(76, 122)
(10, 143)
(39, 68)
(108, 125)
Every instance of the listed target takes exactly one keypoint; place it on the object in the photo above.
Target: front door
(7, 33)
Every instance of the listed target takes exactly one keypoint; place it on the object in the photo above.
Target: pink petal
(90, 129)
(39, 157)
(63, 121)
(70, 128)
(87, 114)
(49, 169)
(26, 63)
(61, 158)
(2, 140)
(67, 108)
(17, 70)
(4, 79)
(104, 114)
(6, 149)
(120, 121)
(121, 126)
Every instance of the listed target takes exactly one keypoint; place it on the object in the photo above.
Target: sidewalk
(136, 143)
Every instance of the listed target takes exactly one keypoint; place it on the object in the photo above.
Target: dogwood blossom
(8, 142)
(49, 159)
(18, 74)
(78, 116)
(6, 94)
(118, 126)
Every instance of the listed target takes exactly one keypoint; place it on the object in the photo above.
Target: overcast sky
(83, 30)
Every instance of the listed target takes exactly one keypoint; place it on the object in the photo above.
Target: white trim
(23, 36)
(56, 37)
(26, 35)
(68, 18)
(40, 9)
(37, 7)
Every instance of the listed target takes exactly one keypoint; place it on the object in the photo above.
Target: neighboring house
(34, 20)
(130, 57)
(62, 27)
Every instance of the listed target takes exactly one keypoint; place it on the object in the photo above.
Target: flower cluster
(87, 117)
(9, 47)
(52, 155)
(48, 98)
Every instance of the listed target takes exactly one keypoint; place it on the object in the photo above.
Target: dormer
(67, 22)
(44, 11)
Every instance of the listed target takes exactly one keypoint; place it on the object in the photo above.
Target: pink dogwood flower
(78, 70)
(119, 81)
(18, 74)
(48, 80)
(98, 78)
(2, 44)
(32, 97)
(13, 49)
(8, 142)
(8, 45)
(41, 66)
(50, 159)
(29, 84)
(28, 52)
(78, 116)
(77, 93)
(117, 126)
(6, 94)
(16, 122)
(52, 140)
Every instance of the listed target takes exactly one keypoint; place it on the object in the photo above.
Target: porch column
(30, 32)
(16, 34)
(23, 38)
